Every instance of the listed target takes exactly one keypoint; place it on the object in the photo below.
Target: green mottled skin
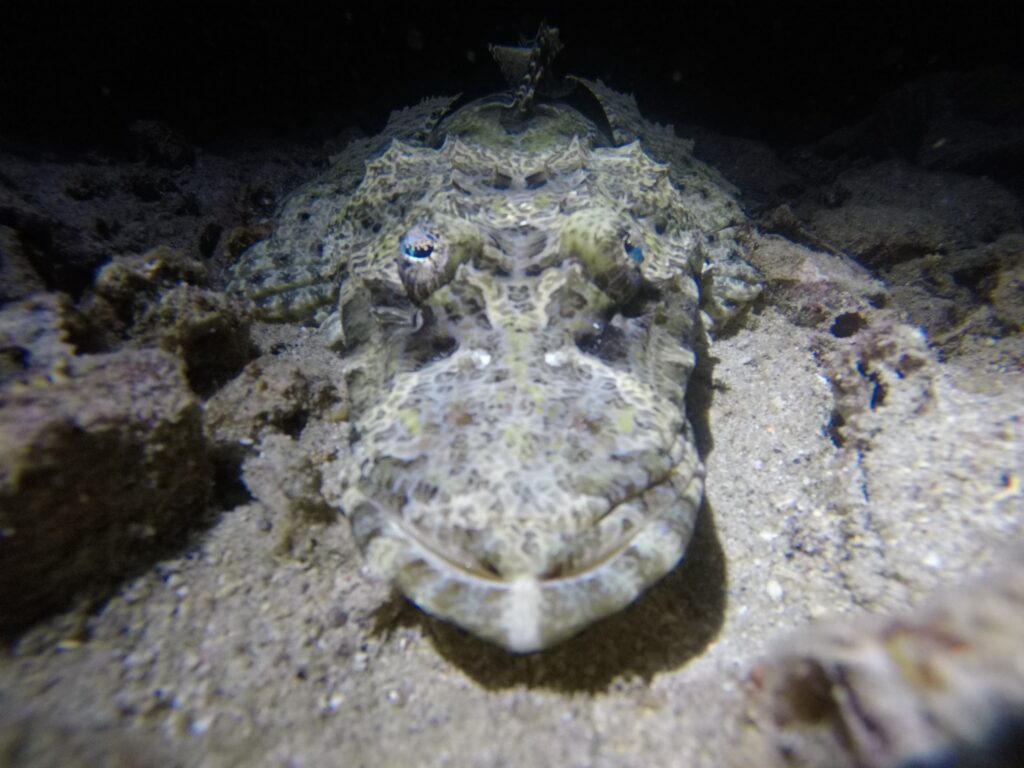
(522, 463)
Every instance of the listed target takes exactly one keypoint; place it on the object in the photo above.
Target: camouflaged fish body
(517, 301)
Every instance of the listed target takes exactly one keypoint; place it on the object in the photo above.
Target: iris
(633, 251)
(418, 247)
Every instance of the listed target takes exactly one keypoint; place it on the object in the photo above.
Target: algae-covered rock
(158, 299)
(102, 464)
(207, 331)
(127, 286)
(273, 396)
(35, 337)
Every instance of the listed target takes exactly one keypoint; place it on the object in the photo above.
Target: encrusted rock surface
(158, 299)
(102, 463)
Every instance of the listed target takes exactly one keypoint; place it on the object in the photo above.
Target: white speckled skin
(518, 306)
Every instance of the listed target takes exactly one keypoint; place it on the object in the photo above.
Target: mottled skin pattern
(518, 306)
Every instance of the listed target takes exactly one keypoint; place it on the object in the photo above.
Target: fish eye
(417, 245)
(633, 251)
(424, 259)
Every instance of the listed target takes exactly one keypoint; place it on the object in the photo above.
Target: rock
(154, 299)
(1007, 293)
(65, 216)
(942, 685)
(35, 338)
(208, 331)
(965, 299)
(271, 396)
(18, 278)
(895, 212)
(812, 291)
(102, 465)
(128, 282)
(50, 247)
(255, 422)
(885, 356)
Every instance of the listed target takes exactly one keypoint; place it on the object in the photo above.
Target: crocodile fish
(517, 291)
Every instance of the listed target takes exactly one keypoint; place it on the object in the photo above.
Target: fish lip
(474, 567)
(530, 613)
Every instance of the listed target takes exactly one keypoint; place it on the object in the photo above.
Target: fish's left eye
(633, 251)
(429, 253)
(424, 261)
(418, 245)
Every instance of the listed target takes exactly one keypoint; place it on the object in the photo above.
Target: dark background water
(73, 76)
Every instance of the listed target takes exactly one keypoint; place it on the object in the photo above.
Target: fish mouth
(528, 611)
